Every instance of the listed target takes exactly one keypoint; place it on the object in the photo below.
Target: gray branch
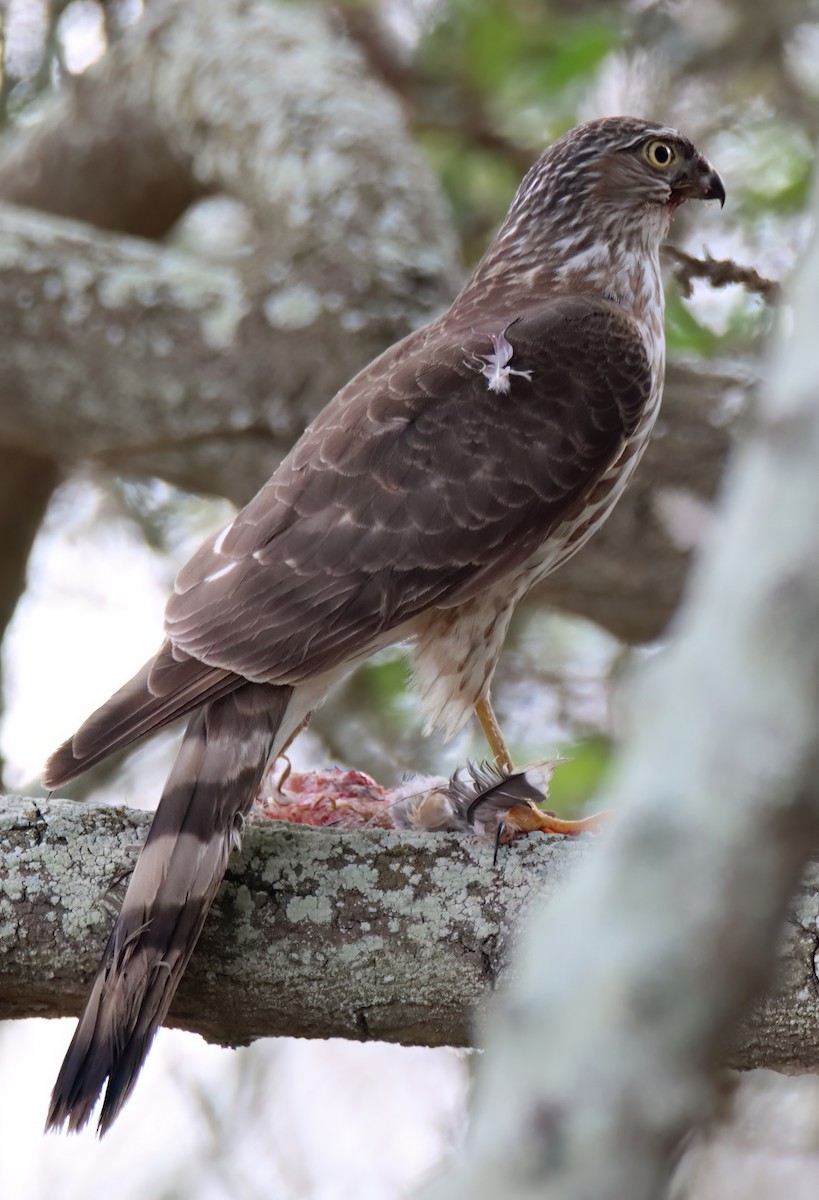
(158, 362)
(146, 360)
(396, 936)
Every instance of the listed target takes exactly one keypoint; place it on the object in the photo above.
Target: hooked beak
(713, 188)
(705, 184)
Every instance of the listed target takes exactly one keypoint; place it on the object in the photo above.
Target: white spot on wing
(496, 369)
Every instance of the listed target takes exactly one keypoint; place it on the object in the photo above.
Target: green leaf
(684, 333)
(385, 679)
(780, 181)
(495, 44)
(578, 52)
(576, 781)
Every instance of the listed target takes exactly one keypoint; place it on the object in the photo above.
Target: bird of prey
(455, 471)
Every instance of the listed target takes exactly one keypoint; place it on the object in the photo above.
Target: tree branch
(199, 371)
(283, 116)
(720, 272)
(144, 359)
(315, 933)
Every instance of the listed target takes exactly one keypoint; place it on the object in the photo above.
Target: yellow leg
(492, 733)
(527, 817)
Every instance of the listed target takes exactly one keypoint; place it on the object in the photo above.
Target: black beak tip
(714, 188)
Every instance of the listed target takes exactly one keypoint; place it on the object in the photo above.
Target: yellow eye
(660, 154)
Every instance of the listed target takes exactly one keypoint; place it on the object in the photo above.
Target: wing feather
(417, 486)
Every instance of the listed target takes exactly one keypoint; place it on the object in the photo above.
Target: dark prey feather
(483, 789)
(475, 798)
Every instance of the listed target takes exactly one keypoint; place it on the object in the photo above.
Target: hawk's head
(607, 188)
(618, 168)
(625, 164)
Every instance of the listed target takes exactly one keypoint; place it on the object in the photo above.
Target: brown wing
(419, 485)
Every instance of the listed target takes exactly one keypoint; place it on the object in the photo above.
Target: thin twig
(720, 272)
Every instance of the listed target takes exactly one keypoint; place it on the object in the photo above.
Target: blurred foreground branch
(386, 935)
(631, 983)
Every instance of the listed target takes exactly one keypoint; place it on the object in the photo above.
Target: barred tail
(210, 789)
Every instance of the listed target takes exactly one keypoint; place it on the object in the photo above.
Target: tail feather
(211, 788)
(136, 710)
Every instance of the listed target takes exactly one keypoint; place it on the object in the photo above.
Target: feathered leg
(210, 789)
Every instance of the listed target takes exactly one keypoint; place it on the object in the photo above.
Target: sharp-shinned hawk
(450, 475)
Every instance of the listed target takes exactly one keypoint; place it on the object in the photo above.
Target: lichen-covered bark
(139, 358)
(388, 935)
(261, 101)
(158, 362)
(395, 936)
(782, 1029)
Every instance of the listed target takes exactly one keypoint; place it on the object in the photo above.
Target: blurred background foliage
(484, 85)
